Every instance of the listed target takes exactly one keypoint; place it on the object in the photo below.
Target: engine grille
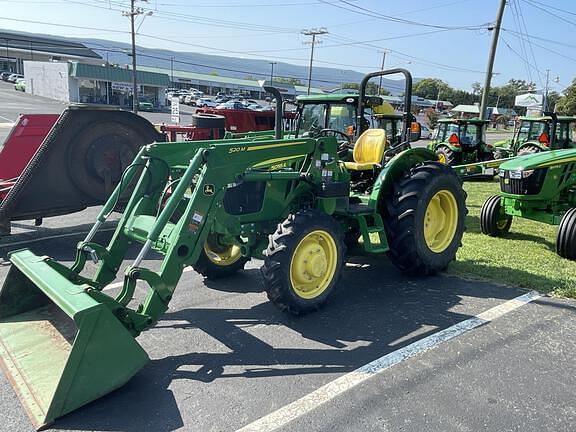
(531, 185)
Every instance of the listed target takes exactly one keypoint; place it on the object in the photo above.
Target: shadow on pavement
(375, 312)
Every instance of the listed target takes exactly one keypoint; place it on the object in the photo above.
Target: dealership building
(16, 48)
(97, 84)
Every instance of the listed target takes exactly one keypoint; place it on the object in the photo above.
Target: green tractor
(65, 340)
(536, 134)
(540, 187)
(461, 141)
(339, 111)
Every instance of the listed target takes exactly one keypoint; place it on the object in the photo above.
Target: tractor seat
(368, 151)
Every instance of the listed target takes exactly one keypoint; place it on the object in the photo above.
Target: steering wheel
(335, 133)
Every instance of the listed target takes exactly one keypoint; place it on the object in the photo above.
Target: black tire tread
(399, 211)
(489, 218)
(278, 257)
(566, 237)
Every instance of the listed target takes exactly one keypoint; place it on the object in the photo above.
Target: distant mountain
(323, 77)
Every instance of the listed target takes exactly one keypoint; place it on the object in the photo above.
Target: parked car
(425, 133)
(206, 103)
(145, 105)
(255, 107)
(20, 85)
(182, 95)
(12, 78)
(4, 75)
(232, 105)
(190, 99)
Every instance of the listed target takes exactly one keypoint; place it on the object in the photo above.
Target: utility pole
(171, 71)
(545, 101)
(313, 33)
(272, 73)
(132, 14)
(382, 68)
(491, 56)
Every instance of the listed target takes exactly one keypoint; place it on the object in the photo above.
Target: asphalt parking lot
(388, 353)
(223, 358)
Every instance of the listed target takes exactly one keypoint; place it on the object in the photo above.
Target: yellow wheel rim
(221, 255)
(313, 264)
(501, 224)
(441, 158)
(440, 221)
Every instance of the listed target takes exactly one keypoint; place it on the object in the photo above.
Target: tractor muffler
(59, 347)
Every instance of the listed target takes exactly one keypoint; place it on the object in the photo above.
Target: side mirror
(415, 131)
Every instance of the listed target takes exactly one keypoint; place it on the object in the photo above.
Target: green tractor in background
(67, 339)
(536, 134)
(540, 187)
(461, 141)
(339, 111)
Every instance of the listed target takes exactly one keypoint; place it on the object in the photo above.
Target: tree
(291, 81)
(431, 117)
(476, 88)
(430, 88)
(371, 88)
(567, 103)
(553, 98)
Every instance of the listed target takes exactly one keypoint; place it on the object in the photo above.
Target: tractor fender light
(527, 173)
(489, 146)
(454, 140)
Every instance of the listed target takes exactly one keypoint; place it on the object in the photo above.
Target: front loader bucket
(59, 348)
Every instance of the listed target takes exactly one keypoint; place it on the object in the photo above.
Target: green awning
(115, 74)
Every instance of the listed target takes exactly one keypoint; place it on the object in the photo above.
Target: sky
(446, 39)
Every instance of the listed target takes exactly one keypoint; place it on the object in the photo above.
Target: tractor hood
(540, 160)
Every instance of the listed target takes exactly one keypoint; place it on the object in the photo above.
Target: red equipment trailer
(52, 165)
(211, 124)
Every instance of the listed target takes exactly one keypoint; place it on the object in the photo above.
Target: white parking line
(346, 382)
(35, 240)
(6, 125)
(7, 119)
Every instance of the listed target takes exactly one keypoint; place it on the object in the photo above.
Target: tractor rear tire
(566, 238)
(529, 149)
(424, 218)
(218, 261)
(208, 121)
(493, 221)
(304, 261)
(448, 156)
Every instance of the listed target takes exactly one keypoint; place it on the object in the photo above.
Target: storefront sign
(175, 106)
(121, 87)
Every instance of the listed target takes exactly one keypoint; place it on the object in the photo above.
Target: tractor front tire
(304, 261)
(493, 221)
(566, 238)
(529, 149)
(424, 218)
(448, 156)
(217, 260)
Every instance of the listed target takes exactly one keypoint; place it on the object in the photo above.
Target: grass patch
(525, 258)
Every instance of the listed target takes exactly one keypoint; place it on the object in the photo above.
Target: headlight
(527, 173)
(516, 174)
(501, 173)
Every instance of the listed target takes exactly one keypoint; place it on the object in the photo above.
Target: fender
(399, 164)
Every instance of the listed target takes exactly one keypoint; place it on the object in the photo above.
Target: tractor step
(372, 231)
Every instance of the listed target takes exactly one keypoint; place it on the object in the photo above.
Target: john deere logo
(208, 189)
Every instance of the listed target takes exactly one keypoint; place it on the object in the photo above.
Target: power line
(371, 13)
